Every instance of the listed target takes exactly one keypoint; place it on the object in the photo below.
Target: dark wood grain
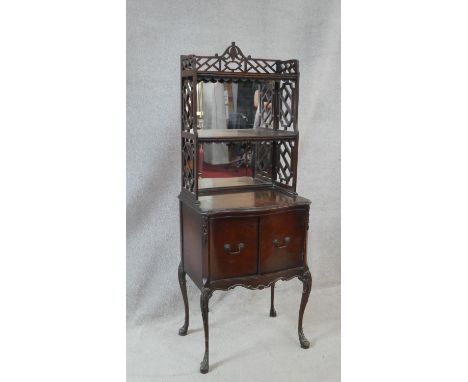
(228, 135)
(244, 232)
(272, 301)
(204, 298)
(306, 279)
(281, 241)
(233, 232)
(192, 244)
(209, 186)
(183, 289)
(234, 77)
(257, 281)
(279, 127)
(255, 201)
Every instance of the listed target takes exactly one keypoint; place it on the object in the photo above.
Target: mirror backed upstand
(241, 220)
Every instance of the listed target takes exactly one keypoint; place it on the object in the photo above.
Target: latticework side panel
(266, 106)
(286, 105)
(188, 164)
(263, 160)
(284, 163)
(188, 89)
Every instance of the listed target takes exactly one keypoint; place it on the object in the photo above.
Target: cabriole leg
(306, 279)
(183, 289)
(204, 298)
(272, 306)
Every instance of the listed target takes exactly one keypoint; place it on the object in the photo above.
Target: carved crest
(233, 52)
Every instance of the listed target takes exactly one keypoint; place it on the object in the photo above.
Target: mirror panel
(234, 164)
(230, 105)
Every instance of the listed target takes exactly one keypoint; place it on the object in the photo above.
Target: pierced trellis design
(263, 160)
(187, 105)
(286, 105)
(284, 163)
(233, 61)
(288, 67)
(188, 165)
(266, 106)
(187, 62)
(273, 155)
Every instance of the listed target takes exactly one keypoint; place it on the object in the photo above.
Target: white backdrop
(158, 32)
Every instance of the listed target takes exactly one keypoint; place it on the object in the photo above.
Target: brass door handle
(240, 247)
(286, 241)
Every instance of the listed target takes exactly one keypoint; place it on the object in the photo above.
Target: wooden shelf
(226, 76)
(229, 135)
(226, 183)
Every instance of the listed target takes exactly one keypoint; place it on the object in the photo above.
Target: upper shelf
(262, 134)
(233, 65)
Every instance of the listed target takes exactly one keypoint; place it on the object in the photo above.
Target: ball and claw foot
(305, 344)
(204, 365)
(183, 330)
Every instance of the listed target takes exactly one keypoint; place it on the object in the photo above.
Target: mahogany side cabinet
(241, 220)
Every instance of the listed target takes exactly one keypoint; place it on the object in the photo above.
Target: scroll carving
(261, 286)
(205, 221)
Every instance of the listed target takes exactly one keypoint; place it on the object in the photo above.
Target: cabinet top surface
(258, 200)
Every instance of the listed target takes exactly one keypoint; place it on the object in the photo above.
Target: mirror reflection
(243, 105)
(232, 164)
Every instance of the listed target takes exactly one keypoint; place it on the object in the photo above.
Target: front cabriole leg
(272, 306)
(204, 298)
(183, 288)
(306, 279)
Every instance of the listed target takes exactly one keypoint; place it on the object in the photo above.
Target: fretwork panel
(286, 105)
(188, 89)
(284, 163)
(188, 164)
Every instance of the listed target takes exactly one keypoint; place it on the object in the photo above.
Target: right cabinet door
(282, 241)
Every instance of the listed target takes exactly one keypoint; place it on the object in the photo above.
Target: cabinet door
(282, 241)
(233, 247)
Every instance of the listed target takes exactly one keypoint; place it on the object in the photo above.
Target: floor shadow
(190, 331)
(238, 355)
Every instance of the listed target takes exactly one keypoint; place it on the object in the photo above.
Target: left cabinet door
(233, 247)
